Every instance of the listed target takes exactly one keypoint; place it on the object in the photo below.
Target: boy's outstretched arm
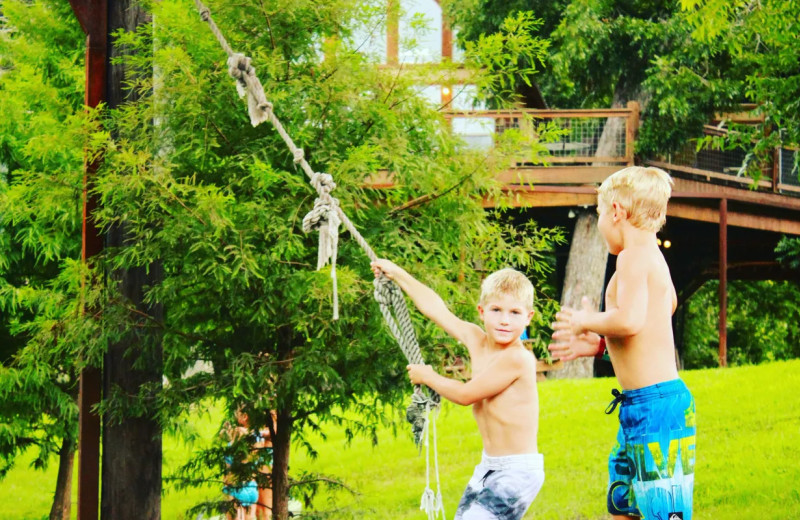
(428, 302)
(629, 316)
(568, 346)
(504, 370)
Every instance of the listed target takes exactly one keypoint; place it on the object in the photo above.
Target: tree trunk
(280, 465)
(131, 482)
(588, 255)
(586, 269)
(62, 501)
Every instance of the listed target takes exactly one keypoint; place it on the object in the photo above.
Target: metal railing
(778, 174)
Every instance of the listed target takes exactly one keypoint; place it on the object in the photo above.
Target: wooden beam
(542, 199)
(600, 113)
(93, 18)
(631, 128)
(447, 39)
(557, 175)
(430, 74)
(711, 175)
(776, 169)
(738, 219)
(789, 187)
(587, 159)
(723, 283)
(693, 189)
(392, 31)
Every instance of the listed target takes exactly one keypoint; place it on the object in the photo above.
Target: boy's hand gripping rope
(327, 215)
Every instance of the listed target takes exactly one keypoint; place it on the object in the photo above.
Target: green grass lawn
(748, 444)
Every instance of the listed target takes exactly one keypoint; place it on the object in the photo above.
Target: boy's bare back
(646, 357)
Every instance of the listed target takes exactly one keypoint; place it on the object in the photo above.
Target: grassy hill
(748, 444)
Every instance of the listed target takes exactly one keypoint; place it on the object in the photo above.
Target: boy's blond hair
(507, 281)
(642, 192)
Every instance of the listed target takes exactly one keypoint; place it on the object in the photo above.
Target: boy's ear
(620, 213)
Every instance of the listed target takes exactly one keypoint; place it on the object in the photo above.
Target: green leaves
(507, 57)
(217, 205)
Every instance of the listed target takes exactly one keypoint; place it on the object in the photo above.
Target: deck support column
(723, 282)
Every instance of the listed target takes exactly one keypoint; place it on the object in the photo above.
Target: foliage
(684, 61)
(788, 252)
(760, 38)
(217, 205)
(763, 323)
(510, 57)
(41, 138)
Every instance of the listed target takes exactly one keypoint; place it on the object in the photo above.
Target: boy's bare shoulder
(474, 336)
(639, 258)
(519, 357)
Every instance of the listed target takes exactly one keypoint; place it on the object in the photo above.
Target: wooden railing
(584, 133)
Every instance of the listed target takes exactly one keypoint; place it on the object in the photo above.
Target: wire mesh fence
(789, 166)
(731, 162)
(583, 137)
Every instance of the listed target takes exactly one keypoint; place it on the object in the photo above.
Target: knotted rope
(324, 218)
(327, 215)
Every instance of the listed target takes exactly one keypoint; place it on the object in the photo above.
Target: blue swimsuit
(651, 468)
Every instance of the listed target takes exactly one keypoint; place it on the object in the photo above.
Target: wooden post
(723, 282)
(776, 169)
(392, 32)
(447, 56)
(447, 40)
(631, 128)
(93, 18)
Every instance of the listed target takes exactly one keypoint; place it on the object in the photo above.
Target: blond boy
(651, 468)
(502, 390)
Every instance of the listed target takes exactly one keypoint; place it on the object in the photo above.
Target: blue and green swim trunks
(651, 468)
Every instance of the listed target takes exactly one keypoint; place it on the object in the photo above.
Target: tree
(759, 39)
(607, 54)
(220, 212)
(131, 463)
(41, 136)
(762, 323)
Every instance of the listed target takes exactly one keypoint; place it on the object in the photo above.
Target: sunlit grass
(748, 444)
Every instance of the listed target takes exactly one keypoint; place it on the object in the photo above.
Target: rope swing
(327, 216)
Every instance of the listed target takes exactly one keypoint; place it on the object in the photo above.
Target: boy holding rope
(651, 468)
(502, 390)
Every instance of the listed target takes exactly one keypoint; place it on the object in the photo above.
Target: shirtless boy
(502, 390)
(651, 468)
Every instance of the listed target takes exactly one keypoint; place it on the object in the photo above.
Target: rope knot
(266, 107)
(205, 14)
(323, 183)
(239, 66)
(323, 213)
(324, 217)
(299, 154)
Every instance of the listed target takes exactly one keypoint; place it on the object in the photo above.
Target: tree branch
(430, 197)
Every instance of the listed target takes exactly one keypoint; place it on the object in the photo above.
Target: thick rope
(326, 208)
(326, 216)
